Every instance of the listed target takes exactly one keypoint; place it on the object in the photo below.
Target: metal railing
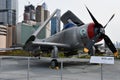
(11, 60)
(15, 57)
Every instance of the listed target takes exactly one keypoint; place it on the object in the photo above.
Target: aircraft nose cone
(91, 31)
(102, 30)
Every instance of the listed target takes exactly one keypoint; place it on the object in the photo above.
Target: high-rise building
(54, 25)
(47, 28)
(8, 12)
(29, 13)
(39, 14)
(8, 18)
(44, 5)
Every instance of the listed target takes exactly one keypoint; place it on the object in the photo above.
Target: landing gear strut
(54, 62)
(92, 51)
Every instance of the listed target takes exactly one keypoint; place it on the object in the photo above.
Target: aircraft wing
(9, 49)
(71, 16)
(50, 44)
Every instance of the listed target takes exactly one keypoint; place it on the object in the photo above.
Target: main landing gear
(54, 62)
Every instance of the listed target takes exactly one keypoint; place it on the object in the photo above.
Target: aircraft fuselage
(75, 37)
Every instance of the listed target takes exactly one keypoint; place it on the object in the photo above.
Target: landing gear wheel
(54, 64)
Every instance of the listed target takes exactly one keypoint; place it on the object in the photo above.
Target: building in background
(117, 44)
(8, 18)
(18, 34)
(8, 12)
(3, 36)
(31, 23)
(54, 25)
(39, 14)
(47, 28)
(6, 39)
(29, 13)
(24, 31)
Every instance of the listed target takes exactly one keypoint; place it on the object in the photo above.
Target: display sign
(102, 60)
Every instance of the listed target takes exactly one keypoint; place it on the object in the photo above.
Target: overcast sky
(101, 9)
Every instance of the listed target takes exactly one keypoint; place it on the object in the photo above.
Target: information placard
(102, 60)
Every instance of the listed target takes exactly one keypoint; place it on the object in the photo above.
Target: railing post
(0, 63)
(101, 71)
(61, 70)
(28, 68)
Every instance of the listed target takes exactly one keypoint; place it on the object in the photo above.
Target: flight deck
(25, 68)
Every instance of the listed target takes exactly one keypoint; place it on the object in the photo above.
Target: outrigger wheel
(54, 64)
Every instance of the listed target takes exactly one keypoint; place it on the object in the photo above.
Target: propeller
(100, 33)
(109, 20)
(93, 18)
